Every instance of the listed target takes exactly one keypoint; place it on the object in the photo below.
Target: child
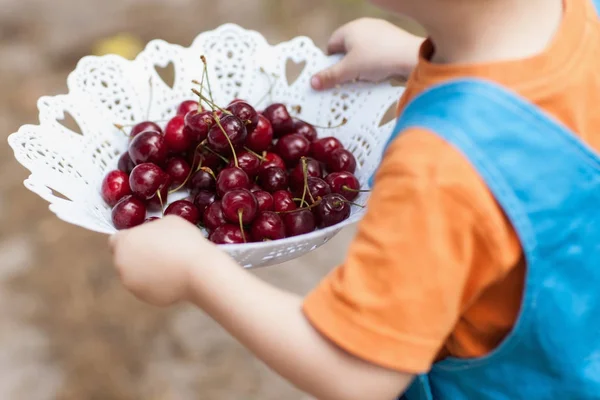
(474, 274)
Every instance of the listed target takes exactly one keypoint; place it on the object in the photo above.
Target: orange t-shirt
(436, 269)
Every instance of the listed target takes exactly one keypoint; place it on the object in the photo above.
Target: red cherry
(176, 139)
(273, 179)
(298, 222)
(305, 129)
(260, 138)
(321, 149)
(228, 234)
(187, 107)
(235, 130)
(332, 210)
(178, 169)
(245, 112)
(268, 226)
(341, 160)
(125, 163)
(144, 127)
(248, 162)
(283, 201)
(115, 186)
(203, 199)
(198, 124)
(280, 119)
(272, 160)
(292, 148)
(213, 216)
(265, 200)
(232, 179)
(146, 179)
(313, 168)
(184, 209)
(341, 181)
(240, 201)
(128, 212)
(148, 147)
(201, 180)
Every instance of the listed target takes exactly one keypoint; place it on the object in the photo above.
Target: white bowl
(67, 167)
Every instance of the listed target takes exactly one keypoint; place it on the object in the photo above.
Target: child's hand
(375, 50)
(154, 260)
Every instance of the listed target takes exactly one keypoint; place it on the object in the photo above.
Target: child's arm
(374, 50)
(168, 261)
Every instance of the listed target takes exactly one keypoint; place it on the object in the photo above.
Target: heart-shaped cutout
(70, 123)
(167, 74)
(389, 115)
(293, 71)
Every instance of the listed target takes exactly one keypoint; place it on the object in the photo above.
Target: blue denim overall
(548, 183)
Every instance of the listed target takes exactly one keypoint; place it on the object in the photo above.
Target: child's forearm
(271, 324)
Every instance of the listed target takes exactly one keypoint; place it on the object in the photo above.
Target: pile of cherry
(251, 176)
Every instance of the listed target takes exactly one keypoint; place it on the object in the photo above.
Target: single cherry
(341, 160)
(305, 129)
(128, 212)
(178, 169)
(265, 200)
(245, 112)
(203, 199)
(298, 222)
(213, 216)
(344, 183)
(148, 147)
(176, 139)
(234, 129)
(184, 209)
(272, 160)
(273, 179)
(321, 149)
(115, 186)
(332, 210)
(231, 179)
(261, 137)
(202, 180)
(146, 179)
(268, 226)
(144, 127)
(283, 201)
(292, 148)
(313, 168)
(125, 163)
(239, 203)
(187, 107)
(228, 234)
(280, 119)
(198, 124)
(248, 162)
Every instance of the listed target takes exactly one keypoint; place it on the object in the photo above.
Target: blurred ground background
(67, 329)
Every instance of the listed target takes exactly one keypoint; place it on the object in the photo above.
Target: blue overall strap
(597, 5)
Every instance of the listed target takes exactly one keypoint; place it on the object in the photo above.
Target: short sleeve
(401, 290)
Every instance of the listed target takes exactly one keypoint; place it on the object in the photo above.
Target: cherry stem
(201, 83)
(240, 214)
(337, 203)
(216, 154)
(207, 78)
(208, 171)
(355, 190)
(121, 128)
(302, 202)
(162, 204)
(261, 158)
(210, 103)
(315, 204)
(218, 121)
(305, 177)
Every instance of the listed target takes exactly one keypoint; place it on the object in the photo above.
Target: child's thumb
(334, 75)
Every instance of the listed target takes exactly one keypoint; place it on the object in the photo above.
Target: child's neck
(497, 30)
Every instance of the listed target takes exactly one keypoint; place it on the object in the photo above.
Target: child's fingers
(339, 73)
(336, 42)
